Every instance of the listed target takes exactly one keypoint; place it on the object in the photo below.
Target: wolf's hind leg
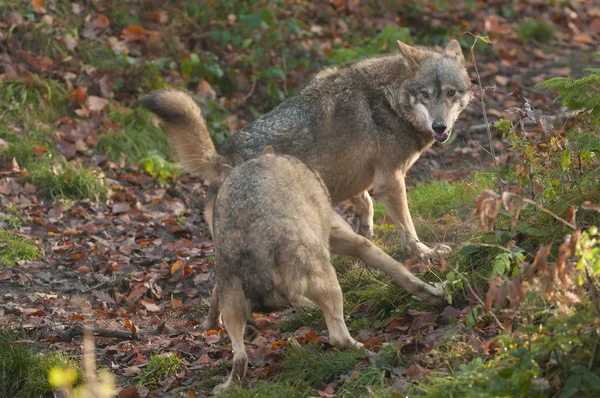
(363, 206)
(344, 241)
(327, 294)
(234, 319)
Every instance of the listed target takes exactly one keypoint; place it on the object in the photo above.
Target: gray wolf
(360, 126)
(271, 226)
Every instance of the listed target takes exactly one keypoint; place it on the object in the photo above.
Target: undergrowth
(15, 248)
(24, 370)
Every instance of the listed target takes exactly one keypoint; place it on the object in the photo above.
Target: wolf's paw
(221, 388)
(426, 253)
(211, 324)
(441, 250)
(437, 297)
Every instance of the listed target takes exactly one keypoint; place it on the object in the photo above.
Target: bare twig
(542, 208)
(505, 249)
(247, 96)
(484, 110)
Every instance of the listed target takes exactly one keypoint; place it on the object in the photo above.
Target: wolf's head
(438, 90)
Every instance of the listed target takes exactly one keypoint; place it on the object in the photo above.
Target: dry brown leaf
(80, 95)
(149, 304)
(69, 41)
(133, 33)
(583, 38)
(101, 21)
(205, 90)
(96, 103)
(501, 80)
(160, 16)
(39, 6)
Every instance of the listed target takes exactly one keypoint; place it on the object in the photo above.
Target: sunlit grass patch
(24, 371)
(136, 136)
(158, 367)
(33, 99)
(70, 180)
(318, 368)
(264, 389)
(361, 381)
(14, 248)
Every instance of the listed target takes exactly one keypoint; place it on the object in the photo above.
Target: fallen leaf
(96, 103)
(205, 90)
(133, 33)
(121, 207)
(69, 41)
(39, 6)
(583, 38)
(101, 21)
(149, 304)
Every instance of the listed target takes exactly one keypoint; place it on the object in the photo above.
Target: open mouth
(441, 137)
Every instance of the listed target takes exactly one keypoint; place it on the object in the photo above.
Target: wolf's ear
(267, 150)
(412, 56)
(453, 50)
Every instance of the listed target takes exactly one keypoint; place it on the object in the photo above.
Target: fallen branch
(77, 330)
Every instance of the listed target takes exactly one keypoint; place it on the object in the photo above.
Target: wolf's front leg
(391, 189)
(363, 207)
(345, 241)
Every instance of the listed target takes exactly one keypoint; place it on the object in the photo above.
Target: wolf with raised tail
(361, 126)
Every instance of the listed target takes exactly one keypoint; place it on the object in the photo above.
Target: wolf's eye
(425, 94)
(451, 93)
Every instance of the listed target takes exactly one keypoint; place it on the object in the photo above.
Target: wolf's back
(186, 127)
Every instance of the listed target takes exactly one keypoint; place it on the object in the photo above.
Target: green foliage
(33, 99)
(24, 371)
(264, 389)
(70, 180)
(216, 120)
(314, 367)
(302, 316)
(159, 168)
(535, 29)
(14, 248)
(361, 380)
(582, 93)
(437, 198)
(384, 41)
(136, 136)
(157, 368)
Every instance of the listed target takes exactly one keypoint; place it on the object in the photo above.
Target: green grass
(157, 368)
(24, 371)
(318, 368)
(38, 99)
(438, 198)
(159, 168)
(537, 30)
(302, 316)
(361, 380)
(70, 180)
(14, 248)
(136, 136)
(264, 389)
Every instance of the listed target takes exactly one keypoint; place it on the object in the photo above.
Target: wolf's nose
(439, 127)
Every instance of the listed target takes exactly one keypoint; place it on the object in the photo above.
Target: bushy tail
(189, 136)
